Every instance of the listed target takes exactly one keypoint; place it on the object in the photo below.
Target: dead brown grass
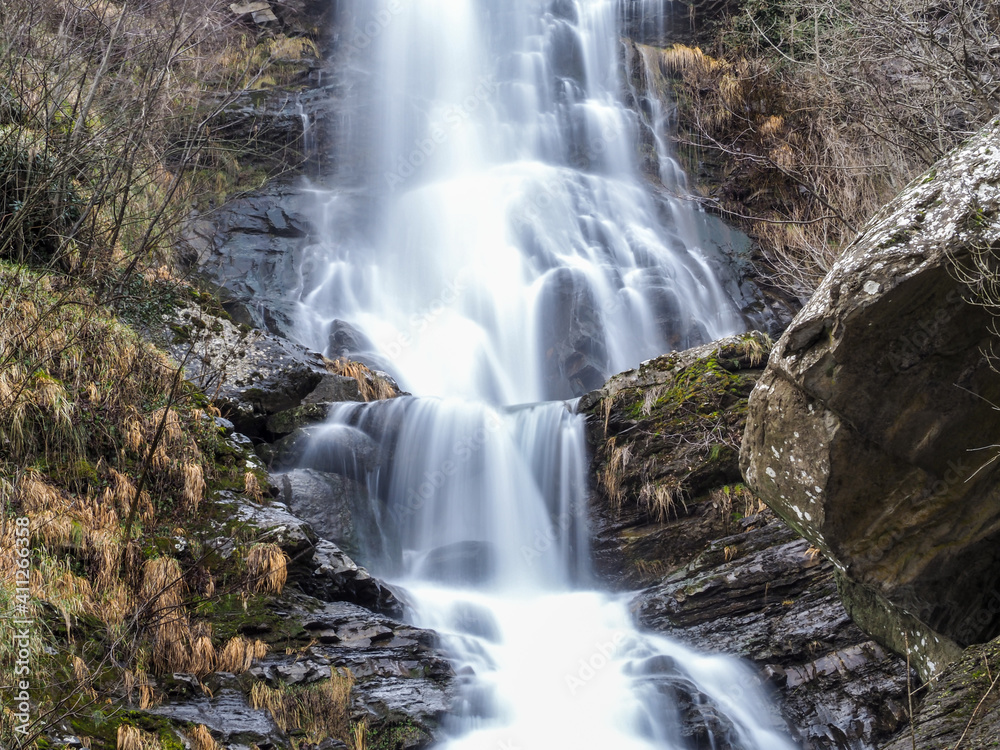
(267, 565)
(319, 711)
(372, 386)
(663, 499)
(239, 654)
(202, 739)
(613, 474)
(133, 738)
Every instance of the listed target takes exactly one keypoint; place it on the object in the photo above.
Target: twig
(978, 705)
(909, 691)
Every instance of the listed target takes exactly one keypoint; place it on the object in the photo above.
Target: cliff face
(715, 567)
(869, 432)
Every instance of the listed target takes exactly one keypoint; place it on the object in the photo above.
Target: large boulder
(341, 510)
(962, 708)
(867, 431)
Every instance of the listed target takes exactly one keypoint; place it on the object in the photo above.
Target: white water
(489, 241)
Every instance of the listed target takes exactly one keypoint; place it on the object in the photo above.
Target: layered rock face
(716, 568)
(871, 430)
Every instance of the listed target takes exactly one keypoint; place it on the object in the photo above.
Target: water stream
(488, 240)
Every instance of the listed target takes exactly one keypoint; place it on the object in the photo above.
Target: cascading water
(491, 245)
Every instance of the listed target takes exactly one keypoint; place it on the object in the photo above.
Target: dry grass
(267, 565)
(202, 739)
(251, 487)
(755, 350)
(611, 477)
(663, 499)
(372, 386)
(133, 738)
(320, 710)
(239, 654)
(649, 399)
(736, 498)
(797, 179)
(138, 689)
(359, 736)
(812, 114)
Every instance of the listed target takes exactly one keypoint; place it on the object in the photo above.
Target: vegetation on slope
(814, 113)
(115, 477)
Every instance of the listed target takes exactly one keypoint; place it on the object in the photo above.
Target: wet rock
(275, 523)
(774, 602)
(337, 577)
(718, 570)
(339, 509)
(863, 430)
(463, 563)
(228, 716)
(962, 707)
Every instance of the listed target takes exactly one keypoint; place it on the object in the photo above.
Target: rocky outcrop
(248, 246)
(332, 615)
(343, 509)
(664, 437)
(718, 570)
(867, 431)
(266, 385)
(962, 707)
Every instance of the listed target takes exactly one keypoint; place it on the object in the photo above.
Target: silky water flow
(490, 241)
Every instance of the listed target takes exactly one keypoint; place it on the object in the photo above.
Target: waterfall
(495, 241)
(488, 240)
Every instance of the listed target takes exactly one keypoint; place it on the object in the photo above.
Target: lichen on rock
(865, 432)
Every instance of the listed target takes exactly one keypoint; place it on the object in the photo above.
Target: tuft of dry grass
(736, 498)
(202, 739)
(194, 483)
(613, 474)
(239, 654)
(252, 488)
(133, 738)
(137, 685)
(267, 565)
(372, 387)
(649, 399)
(359, 736)
(320, 710)
(754, 350)
(662, 500)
